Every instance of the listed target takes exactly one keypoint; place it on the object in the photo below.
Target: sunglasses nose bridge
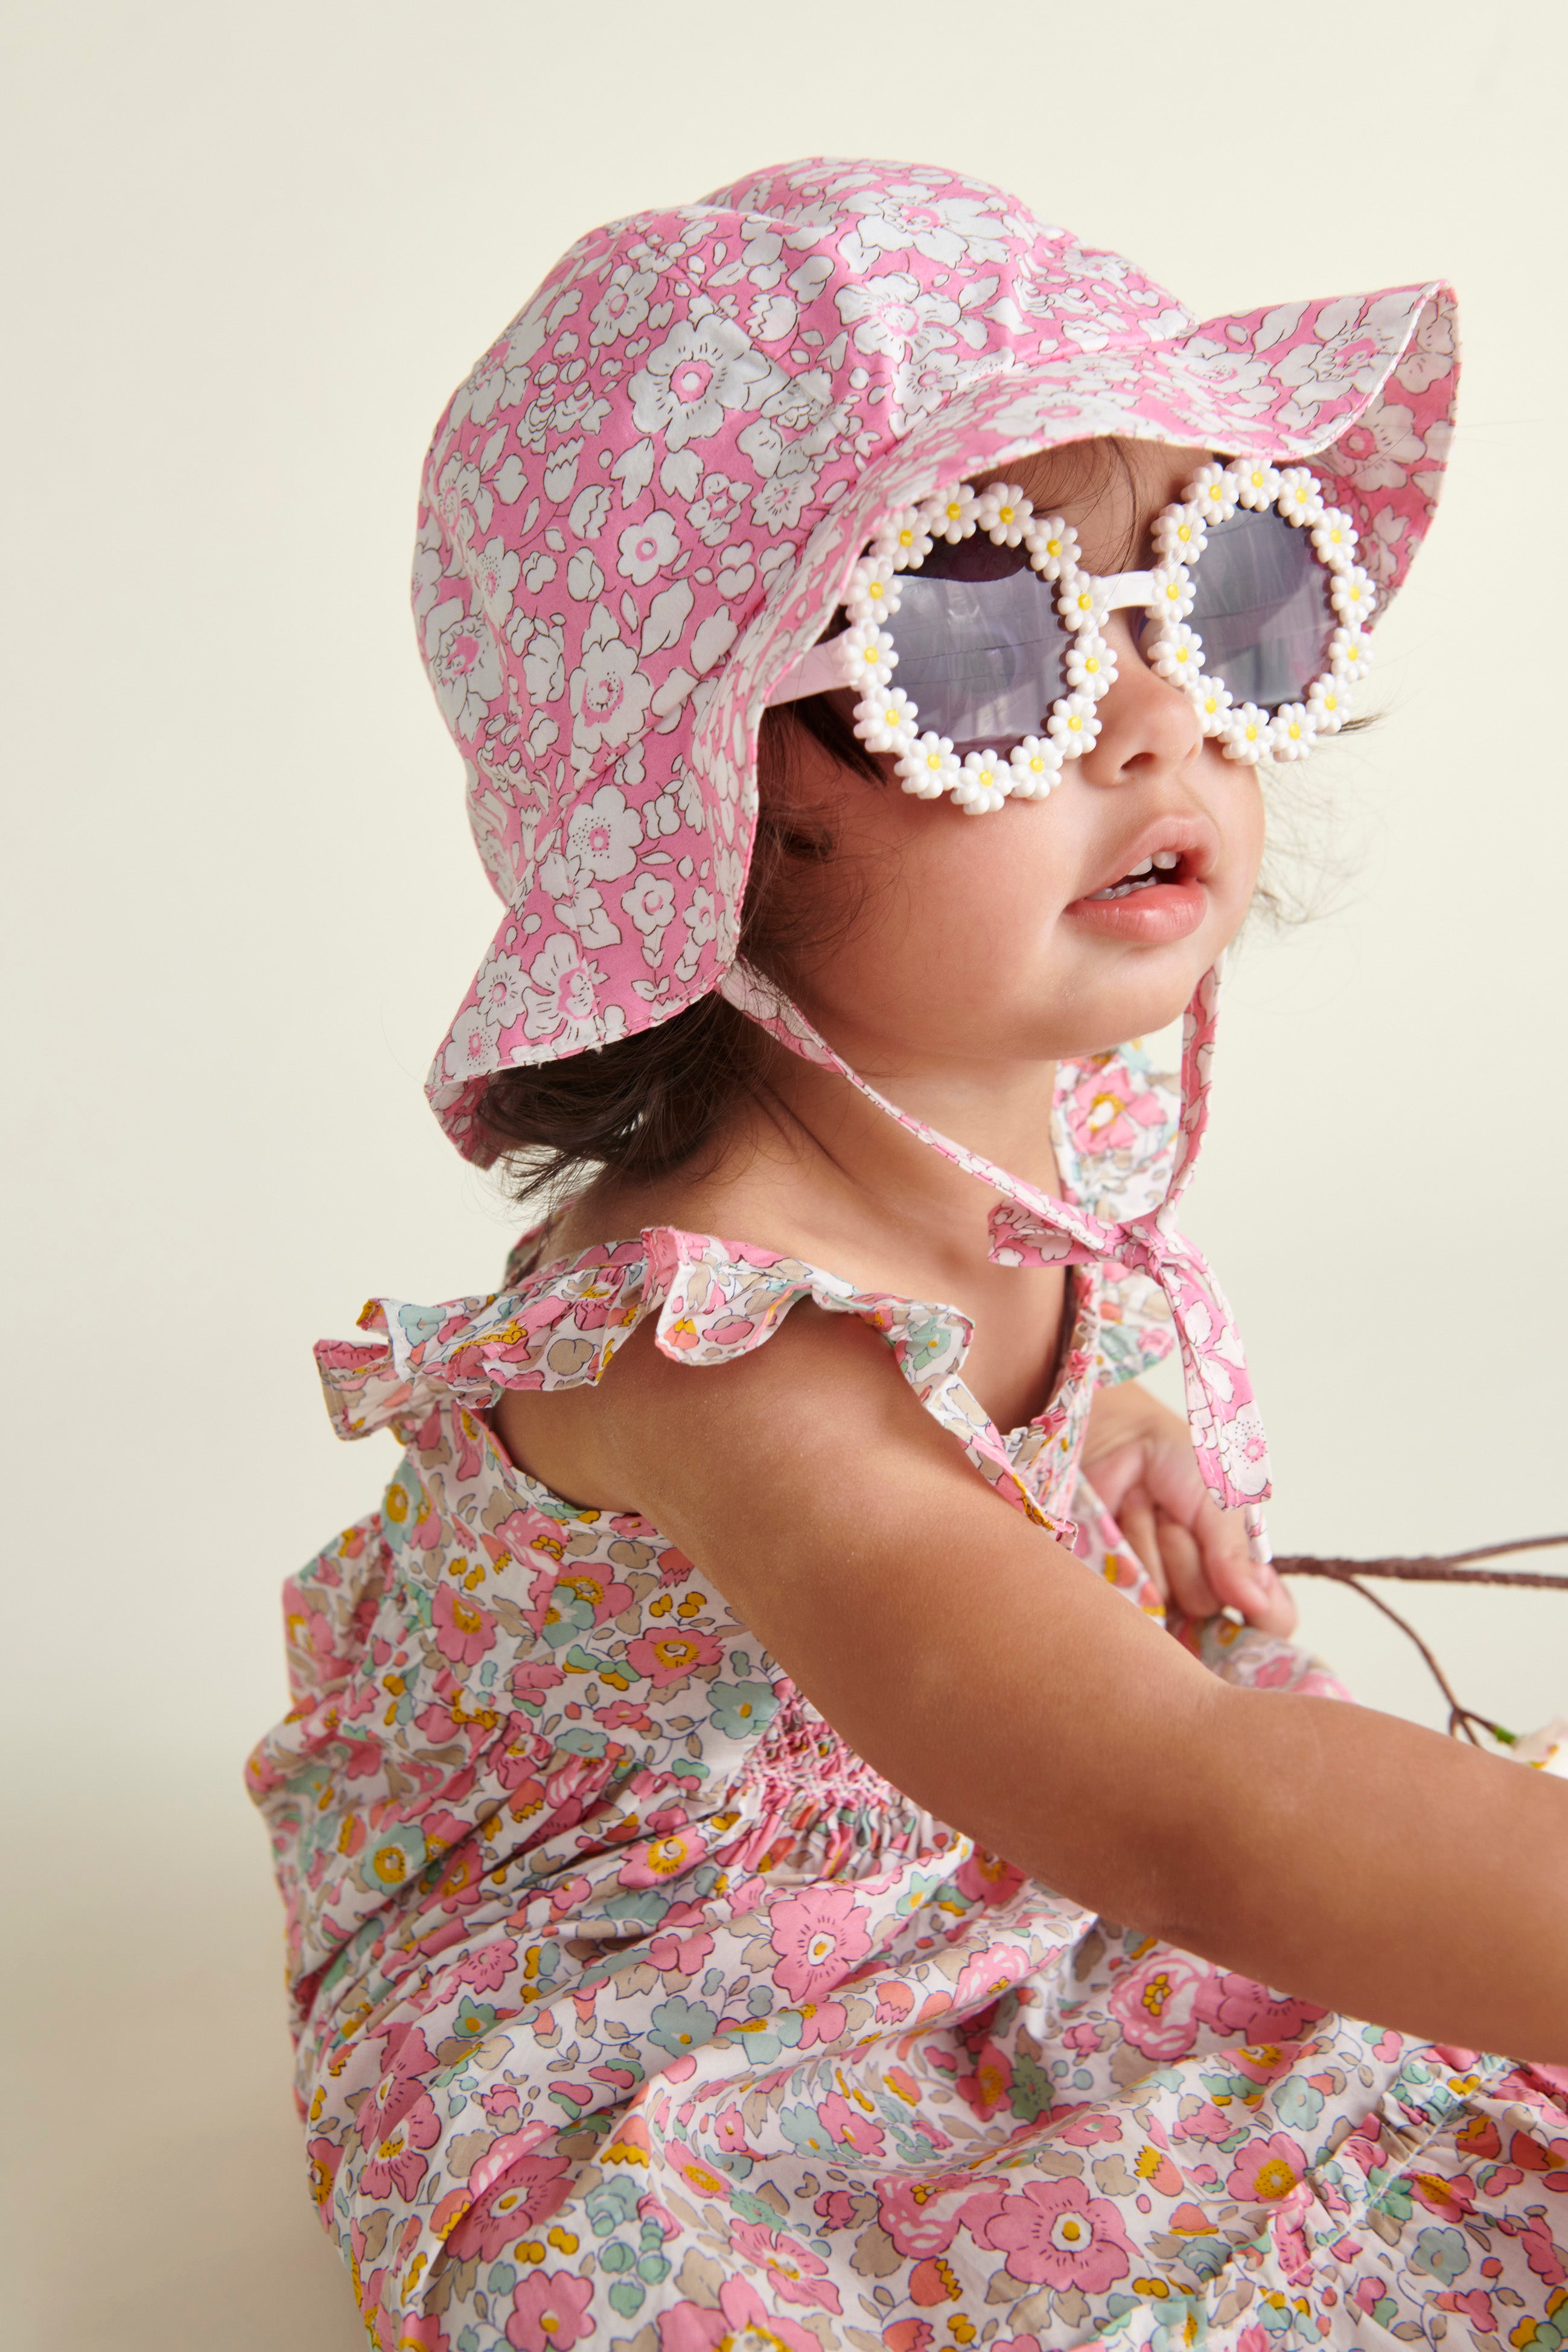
(1146, 723)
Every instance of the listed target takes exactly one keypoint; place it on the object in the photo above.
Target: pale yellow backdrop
(250, 251)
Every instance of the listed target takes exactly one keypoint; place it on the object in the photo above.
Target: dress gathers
(634, 2008)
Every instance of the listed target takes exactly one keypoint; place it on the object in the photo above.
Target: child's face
(979, 936)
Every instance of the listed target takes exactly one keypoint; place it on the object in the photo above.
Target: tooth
(1166, 858)
(1141, 867)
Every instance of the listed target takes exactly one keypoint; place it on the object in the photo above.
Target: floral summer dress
(635, 2009)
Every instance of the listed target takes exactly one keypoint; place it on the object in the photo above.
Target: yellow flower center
(1005, 514)
(1053, 547)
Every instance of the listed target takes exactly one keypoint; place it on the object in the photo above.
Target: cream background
(251, 251)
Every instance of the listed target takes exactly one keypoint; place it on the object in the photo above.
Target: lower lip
(1153, 918)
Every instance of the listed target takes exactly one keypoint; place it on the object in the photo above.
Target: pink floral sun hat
(643, 503)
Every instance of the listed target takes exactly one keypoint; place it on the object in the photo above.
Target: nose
(1148, 729)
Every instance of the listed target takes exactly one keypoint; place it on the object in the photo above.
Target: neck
(999, 1109)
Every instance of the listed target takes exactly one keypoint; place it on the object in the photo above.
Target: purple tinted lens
(1261, 608)
(980, 648)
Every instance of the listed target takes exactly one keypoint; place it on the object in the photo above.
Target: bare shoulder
(822, 1384)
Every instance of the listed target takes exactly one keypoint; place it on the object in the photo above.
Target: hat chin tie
(1031, 1228)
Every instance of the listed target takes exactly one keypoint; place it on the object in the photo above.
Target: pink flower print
(668, 1659)
(685, 1953)
(624, 1715)
(323, 2156)
(845, 2125)
(395, 2163)
(1541, 2250)
(532, 1678)
(906, 2336)
(987, 2087)
(1056, 2234)
(1450, 2199)
(822, 2020)
(513, 2192)
(464, 1631)
(1155, 2004)
(730, 2132)
(915, 2215)
(986, 1975)
(562, 994)
(653, 1860)
(1206, 2122)
(550, 2310)
(986, 1878)
(605, 1598)
(818, 1936)
(742, 2317)
(1265, 2170)
(486, 1968)
(793, 2271)
(1475, 2304)
(1237, 2005)
(1103, 1117)
(1086, 2127)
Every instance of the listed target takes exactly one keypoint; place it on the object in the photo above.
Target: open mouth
(1163, 867)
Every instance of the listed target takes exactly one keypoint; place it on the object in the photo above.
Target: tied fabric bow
(1032, 1228)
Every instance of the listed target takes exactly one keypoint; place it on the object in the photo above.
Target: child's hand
(1139, 1459)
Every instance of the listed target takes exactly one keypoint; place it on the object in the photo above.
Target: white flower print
(703, 367)
(465, 668)
(576, 900)
(1349, 355)
(802, 415)
(610, 694)
(650, 902)
(647, 547)
(713, 514)
(1431, 353)
(602, 835)
(542, 647)
(1379, 448)
(471, 1048)
(702, 917)
(889, 316)
(590, 511)
(499, 990)
(584, 581)
(623, 306)
(560, 472)
(950, 230)
(561, 994)
(495, 573)
(785, 496)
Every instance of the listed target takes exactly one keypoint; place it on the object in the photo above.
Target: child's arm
(1341, 1855)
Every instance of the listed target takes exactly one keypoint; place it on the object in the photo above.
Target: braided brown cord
(1439, 1567)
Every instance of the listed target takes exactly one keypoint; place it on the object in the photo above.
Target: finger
(1136, 1520)
(1239, 1582)
(1190, 1588)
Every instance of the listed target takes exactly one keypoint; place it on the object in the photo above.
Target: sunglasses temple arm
(1124, 588)
(820, 670)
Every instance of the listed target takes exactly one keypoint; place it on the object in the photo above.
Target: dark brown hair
(646, 1105)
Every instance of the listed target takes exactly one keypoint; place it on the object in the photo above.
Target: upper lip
(1193, 838)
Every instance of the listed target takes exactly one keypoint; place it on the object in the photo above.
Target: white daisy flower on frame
(951, 514)
(1299, 498)
(1256, 482)
(1178, 655)
(1247, 733)
(984, 783)
(1350, 654)
(868, 655)
(1037, 765)
(1090, 664)
(927, 769)
(1294, 732)
(1073, 726)
(1326, 705)
(1004, 513)
(1179, 535)
(887, 722)
(1212, 492)
(1081, 604)
(903, 540)
(1172, 598)
(1335, 538)
(1352, 595)
(1213, 701)
(873, 592)
(1053, 547)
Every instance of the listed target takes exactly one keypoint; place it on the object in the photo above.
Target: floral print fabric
(635, 2009)
(643, 502)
